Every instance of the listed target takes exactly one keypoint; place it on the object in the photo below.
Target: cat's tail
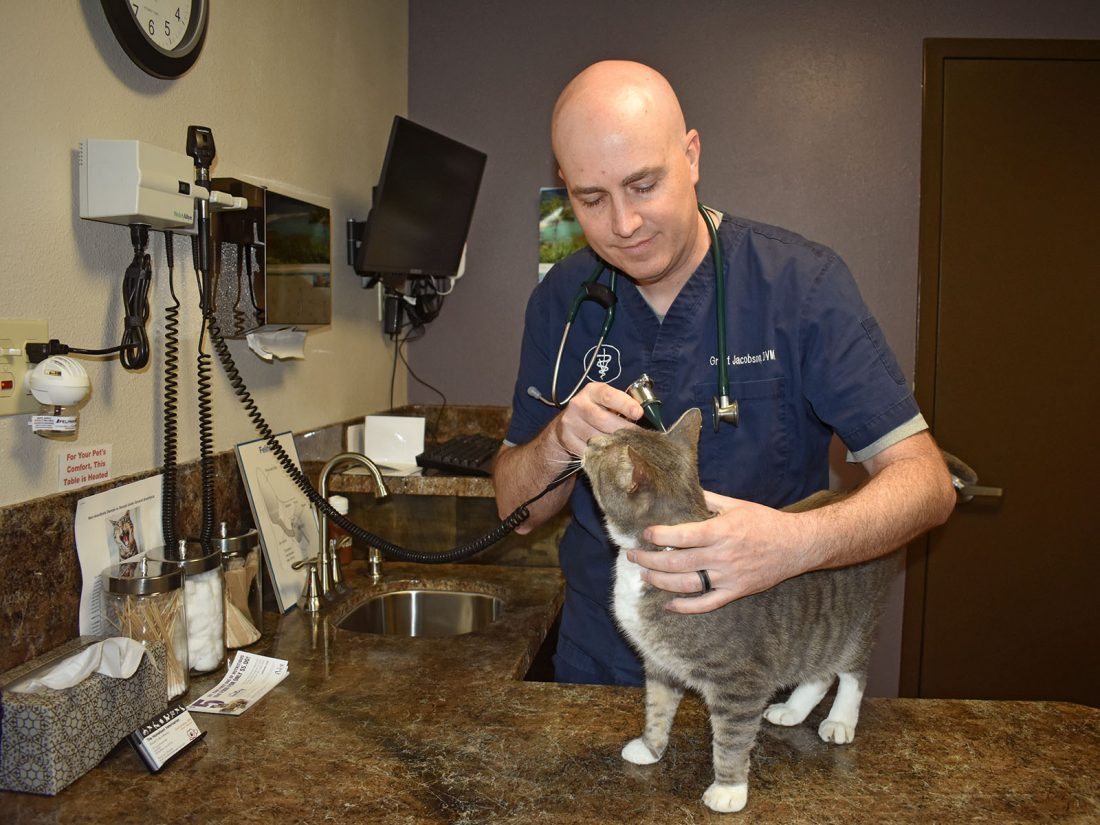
(819, 499)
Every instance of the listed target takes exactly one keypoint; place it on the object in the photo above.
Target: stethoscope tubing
(608, 300)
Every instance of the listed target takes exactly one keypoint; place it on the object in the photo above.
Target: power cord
(434, 429)
(133, 351)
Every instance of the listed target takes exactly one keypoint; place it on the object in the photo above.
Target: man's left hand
(744, 549)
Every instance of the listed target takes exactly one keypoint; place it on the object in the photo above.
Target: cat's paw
(638, 752)
(784, 715)
(725, 799)
(839, 733)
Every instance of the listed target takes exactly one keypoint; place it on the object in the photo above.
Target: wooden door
(1002, 601)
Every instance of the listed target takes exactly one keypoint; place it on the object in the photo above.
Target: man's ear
(692, 148)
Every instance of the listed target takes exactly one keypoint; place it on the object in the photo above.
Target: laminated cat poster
(121, 524)
(285, 519)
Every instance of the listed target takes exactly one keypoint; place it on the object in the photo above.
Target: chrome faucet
(329, 573)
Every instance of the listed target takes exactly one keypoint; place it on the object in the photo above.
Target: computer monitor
(423, 205)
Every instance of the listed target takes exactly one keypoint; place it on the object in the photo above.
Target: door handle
(964, 480)
(966, 492)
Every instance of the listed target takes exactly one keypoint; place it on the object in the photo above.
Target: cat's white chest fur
(628, 588)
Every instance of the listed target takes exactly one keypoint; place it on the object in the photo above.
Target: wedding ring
(704, 580)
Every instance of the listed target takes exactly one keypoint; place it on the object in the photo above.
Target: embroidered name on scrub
(739, 360)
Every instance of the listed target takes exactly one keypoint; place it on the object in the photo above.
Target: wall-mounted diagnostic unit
(130, 182)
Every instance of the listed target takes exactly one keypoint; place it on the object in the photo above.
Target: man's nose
(625, 220)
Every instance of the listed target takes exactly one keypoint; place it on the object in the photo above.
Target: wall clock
(163, 37)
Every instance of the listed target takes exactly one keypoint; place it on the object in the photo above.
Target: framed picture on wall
(560, 235)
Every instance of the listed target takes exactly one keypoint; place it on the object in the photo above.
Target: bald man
(806, 360)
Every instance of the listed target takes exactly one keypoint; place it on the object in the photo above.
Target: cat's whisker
(570, 460)
(570, 470)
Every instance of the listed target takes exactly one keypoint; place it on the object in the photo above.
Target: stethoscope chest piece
(725, 410)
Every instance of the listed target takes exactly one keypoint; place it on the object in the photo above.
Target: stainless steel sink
(432, 613)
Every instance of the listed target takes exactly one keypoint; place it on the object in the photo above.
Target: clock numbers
(164, 22)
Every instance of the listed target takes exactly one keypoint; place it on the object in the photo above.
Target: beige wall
(297, 95)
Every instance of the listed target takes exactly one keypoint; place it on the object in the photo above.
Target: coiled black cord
(394, 551)
(134, 349)
(205, 402)
(171, 403)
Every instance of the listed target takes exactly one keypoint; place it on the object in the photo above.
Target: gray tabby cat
(804, 632)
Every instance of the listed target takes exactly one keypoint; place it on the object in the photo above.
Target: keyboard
(468, 455)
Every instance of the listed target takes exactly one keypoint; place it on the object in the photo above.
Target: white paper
(285, 519)
(81, 466)
(393, 442)
(246, 681)
(118, 525)
(278, 343)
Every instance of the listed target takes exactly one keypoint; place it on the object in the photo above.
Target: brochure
(248, 678)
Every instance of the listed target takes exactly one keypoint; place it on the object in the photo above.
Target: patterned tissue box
(50, 738)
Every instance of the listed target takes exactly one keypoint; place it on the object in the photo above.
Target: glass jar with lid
(244, 592)
(145, 601)
(204, 591)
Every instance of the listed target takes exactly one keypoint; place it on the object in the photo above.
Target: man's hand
(744, 549)
(521, 472)
(595, 410)
(748, 548)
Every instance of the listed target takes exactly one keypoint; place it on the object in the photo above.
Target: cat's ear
(686, 429)
(640, 477)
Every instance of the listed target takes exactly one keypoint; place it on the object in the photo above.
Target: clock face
(163, 37)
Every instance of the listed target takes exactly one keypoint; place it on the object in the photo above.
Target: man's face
(634, 195)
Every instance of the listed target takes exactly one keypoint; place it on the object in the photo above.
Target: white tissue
(278, 343)
(118, 657)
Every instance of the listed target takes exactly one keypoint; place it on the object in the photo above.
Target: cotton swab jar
(145, 601)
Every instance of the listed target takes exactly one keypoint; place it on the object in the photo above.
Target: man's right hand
(523, 471)
(595, 410)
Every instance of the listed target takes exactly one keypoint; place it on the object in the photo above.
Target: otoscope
(642, 392)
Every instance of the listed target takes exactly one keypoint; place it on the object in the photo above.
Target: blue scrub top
(805, 359)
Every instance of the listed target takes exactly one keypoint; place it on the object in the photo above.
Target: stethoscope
(593, 290)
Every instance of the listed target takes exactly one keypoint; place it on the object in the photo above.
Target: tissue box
(50, 738)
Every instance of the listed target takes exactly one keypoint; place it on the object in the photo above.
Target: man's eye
(643, 189)
(592, 203)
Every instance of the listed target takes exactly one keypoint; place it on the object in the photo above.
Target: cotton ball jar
(203, 594)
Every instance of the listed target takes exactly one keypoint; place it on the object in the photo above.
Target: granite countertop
(372, 729)
(358, 480)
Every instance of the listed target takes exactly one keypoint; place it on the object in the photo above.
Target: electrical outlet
(15, 397)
